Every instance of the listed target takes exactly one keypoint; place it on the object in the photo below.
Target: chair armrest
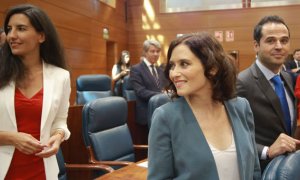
(113, 163)
(90, 167)
(93, 160)
(140, 146)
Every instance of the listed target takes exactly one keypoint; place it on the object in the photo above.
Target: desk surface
(131, 172)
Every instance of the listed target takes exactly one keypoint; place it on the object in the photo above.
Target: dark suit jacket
(145, 87)
(178, 148)
(290, 64)
(265, 105)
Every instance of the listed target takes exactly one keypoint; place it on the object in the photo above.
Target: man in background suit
(146, 82)
(293, 65)
(272, 133)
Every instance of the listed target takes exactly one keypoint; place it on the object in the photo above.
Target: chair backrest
(91, 87)
(62, 175)
(127, 89)
(105, 129)
(154, 102)
(284, 167)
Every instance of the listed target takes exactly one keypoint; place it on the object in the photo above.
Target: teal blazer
(179, 150)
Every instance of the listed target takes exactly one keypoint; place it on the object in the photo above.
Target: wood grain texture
(80, 24)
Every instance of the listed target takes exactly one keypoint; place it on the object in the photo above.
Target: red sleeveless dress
(28, 116)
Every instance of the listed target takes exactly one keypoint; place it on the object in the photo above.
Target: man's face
(297, 55)
(274, 45)
(2, 38)
(152, 55)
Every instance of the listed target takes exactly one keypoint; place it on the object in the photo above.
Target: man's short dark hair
(257, 34)
(296, 50)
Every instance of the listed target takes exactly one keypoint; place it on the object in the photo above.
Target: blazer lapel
(9, 92)
(149, 74)
(194, 128)
(48, 92)
(289, 82)
(240, 143)
(267, 90)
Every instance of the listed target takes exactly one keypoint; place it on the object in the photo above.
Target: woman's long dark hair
(51, 50)
(120, 62)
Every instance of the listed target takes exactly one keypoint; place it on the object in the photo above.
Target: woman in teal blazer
(206, 132)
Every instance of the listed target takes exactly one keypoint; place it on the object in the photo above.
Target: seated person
(119, 71)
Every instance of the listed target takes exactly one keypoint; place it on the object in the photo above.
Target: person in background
(270, 91)
(147, 79)
(293, 65)
(34, 93)
(2, 38)
(119, 71)
(206, 124)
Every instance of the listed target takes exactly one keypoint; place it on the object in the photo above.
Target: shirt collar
(267, 72)
(147, 62)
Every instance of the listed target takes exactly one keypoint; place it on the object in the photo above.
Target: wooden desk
(131, 172)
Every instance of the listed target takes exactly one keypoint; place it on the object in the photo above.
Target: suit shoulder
(172, 107)
(136, 66)
(238, 102)
(244, 74)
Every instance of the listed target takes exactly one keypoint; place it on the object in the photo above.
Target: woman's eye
(184, 64)
(172, 66)
(8, 29)
(21, 29)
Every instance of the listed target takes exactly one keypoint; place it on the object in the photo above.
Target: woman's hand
(26, 143)
(124, 73)
(51, 147)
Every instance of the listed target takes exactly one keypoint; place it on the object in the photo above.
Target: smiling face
(273, 46)
(187, 73)
(22, 37)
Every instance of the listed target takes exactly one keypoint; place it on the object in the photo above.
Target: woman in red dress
(34, 96)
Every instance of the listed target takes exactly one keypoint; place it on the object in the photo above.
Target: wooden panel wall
(164, 27)
(80, 23)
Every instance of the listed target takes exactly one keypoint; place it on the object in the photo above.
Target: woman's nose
(11, 34)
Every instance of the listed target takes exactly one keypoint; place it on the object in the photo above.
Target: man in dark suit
(293, 65)
(147, 79)
(274, 125)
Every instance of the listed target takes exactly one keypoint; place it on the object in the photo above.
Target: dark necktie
(155, 76)
(279, 89)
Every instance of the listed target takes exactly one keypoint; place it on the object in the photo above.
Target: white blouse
(226, 161)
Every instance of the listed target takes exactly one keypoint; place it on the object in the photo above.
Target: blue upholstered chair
(62, 175)
(106, 134)
(283, 167)
(127, 90)
(155, 102)
(91, 87)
